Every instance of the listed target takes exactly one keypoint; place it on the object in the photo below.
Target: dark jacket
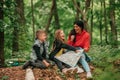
(39, 51)
(57, 47)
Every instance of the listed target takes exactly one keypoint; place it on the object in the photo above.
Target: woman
(82, 41)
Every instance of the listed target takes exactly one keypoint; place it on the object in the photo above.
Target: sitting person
(59, 47)
(82, 41)
(39, 52)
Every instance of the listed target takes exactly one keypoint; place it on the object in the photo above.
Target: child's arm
(66, 46)
(37, 51)
(39, 56)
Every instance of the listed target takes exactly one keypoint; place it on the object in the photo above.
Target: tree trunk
(15, 43)
(32, 9)
(77, 12)
(57, 24)
(18, 22)
(20, 11)
(50, 17)
(112, 24)
(1, 35)
(100, 23)
(105, 22)
(91, 21)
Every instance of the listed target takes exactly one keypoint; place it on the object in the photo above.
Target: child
(58, 48)
(39, 52)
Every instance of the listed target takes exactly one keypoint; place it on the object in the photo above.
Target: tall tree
(112, 24)
(54, 12)
(19, 22)
(77, 11)
(57, 24)
(50, 17)
(91, 21)
(100, 22)
(1, 35)
(32, 9)
(105, 22)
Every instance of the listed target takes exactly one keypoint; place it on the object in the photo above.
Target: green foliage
(103, 58)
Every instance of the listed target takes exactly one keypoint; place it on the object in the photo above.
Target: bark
(18, 22)
(1, 35)
(15, 43)
(112, 24)
(87, 5)
(20, 11)
(77, 11)
(105, 22)
(50, 17)
(100, 23)
(32, 9)
(91, 21)
(57, 24)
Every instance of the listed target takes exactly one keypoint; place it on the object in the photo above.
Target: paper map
(71, 58)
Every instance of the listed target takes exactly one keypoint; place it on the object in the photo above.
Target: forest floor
(17, 73)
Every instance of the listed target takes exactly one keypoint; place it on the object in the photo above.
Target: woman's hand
(46, 63)
(72, 38)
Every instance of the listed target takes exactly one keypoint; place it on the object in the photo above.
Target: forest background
(19, 19)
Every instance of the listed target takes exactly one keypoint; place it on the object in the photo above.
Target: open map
(71, 58)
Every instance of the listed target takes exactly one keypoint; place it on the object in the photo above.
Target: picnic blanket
(71, 58)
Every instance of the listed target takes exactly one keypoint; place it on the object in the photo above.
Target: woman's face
(62, 35)
(77, 29)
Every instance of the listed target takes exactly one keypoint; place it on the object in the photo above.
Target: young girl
(58, 48)
(39, 52)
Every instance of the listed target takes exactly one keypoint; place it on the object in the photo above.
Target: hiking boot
(26, 65)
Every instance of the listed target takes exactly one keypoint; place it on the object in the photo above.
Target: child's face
(62, 35)
(42, 37)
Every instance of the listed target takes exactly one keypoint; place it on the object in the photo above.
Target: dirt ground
(17, 73)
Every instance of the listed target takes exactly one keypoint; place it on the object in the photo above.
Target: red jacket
(82, 40)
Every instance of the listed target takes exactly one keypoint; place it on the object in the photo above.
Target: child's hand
(77, 51)
(46, 63)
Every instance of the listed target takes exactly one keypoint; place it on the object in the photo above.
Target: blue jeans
(84, 62)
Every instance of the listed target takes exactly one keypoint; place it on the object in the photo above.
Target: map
(71, 58)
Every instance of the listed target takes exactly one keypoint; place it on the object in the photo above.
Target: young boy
(39, 52)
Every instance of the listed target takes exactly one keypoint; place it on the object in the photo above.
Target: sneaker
(71, 70)
(64, 70)
(80, 70)
(89, 75)
(26, 65)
